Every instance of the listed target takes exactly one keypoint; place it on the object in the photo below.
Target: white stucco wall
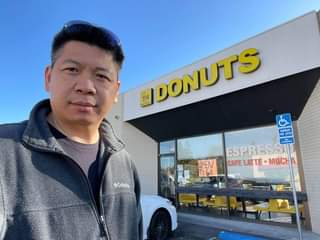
(284, 50)
(309, 136)
(141, 147)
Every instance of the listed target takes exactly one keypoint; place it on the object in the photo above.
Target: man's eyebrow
(71, 61)
(103, 69)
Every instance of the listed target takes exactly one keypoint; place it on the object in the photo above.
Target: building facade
(208, 129)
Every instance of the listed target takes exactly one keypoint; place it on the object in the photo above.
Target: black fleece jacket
(45, 195)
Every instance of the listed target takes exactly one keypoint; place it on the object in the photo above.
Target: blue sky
(158, 37)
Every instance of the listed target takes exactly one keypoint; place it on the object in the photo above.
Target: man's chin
(84, 121)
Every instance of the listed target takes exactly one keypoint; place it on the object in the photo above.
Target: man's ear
(47, 78)
(117, 94)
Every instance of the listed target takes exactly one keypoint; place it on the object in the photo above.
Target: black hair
(90, 34)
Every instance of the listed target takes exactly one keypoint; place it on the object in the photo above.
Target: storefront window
(255, 160)
(167, 147)
(200, 161)
(167, 170)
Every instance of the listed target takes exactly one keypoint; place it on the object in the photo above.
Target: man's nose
(85, 84)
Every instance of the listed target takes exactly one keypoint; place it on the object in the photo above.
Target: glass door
(167, 177)
(167, 170)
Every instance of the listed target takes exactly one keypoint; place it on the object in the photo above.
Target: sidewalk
(278, 232)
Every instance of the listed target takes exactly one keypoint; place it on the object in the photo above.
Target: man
(63, 173)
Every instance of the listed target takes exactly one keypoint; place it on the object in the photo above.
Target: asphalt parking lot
(200, 227)
(188, 231)
(191, 231)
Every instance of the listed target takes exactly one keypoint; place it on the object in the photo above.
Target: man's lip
(83, 104)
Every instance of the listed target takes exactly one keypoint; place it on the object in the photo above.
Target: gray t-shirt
(85, 155)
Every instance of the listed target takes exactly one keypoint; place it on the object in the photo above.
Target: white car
(159, 217)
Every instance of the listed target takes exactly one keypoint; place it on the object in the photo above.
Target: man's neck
(78, 133)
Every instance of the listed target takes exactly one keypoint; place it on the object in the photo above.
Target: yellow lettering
(214, 75)
(227, 66)
(250, 60)
(175, 87)
(191, 82)
(161, 92)
(146, 97)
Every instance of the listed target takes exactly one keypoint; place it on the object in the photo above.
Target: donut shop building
(205, 136)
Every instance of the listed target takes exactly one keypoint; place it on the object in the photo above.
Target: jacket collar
(37, 133)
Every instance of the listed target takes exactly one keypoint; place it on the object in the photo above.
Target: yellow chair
(277, 206)
(191, 199)
(187, 199)
(280, 187)
(203, 200)
(285, 207)
(221, 202)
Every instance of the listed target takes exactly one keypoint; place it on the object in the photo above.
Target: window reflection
(167, 147)
(167, 177)
(255, 160)
(200, 161)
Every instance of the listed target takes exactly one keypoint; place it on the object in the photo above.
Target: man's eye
(71, 69)
(102, 77)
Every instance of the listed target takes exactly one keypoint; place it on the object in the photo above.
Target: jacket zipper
(99, 217)
(104, 156)
(103, 227)
(97, 210)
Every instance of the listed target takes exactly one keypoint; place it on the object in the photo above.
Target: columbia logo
(121, 185)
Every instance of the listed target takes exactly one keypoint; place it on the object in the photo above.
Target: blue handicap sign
(285, 130)
(287, 140)
(284, 120)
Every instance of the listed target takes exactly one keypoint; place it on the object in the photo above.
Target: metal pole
(294, 192)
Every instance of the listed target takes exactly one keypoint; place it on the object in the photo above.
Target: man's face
(83, 84)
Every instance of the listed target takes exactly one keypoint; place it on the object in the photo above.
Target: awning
(254, 106)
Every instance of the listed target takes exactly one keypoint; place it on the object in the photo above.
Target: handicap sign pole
(285, 130)
(293, 185)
